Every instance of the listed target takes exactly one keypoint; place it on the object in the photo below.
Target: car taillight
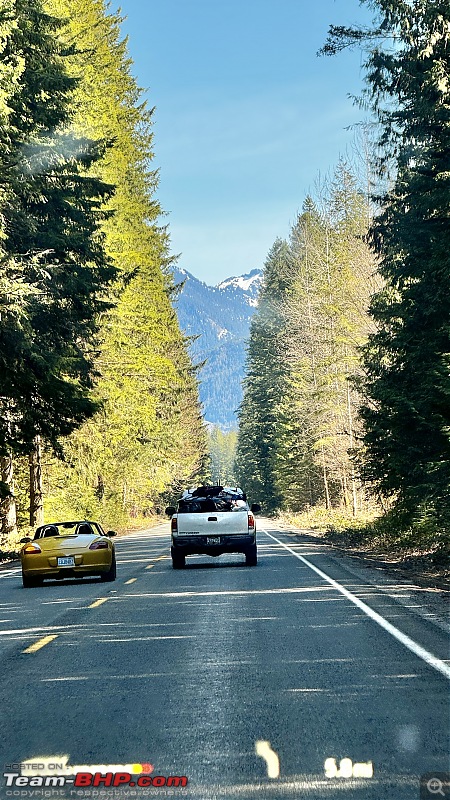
(251, 521)
(174, 525)
(31, 548)
(99, 545)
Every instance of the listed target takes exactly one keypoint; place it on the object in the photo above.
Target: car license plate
(213, 540)
(67, 561)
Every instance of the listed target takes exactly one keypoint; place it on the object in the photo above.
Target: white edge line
(415, 648)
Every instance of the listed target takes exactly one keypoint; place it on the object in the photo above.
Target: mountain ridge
(220, 317)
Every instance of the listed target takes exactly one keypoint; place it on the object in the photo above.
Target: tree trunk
(8, 511)
(344, 488)
(36, 493)
(325, 482)
(100, 491)
(353, 476)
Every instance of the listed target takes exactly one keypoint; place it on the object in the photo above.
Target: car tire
(112, 572)
(31, 583)
(178, 561)
(251, 556)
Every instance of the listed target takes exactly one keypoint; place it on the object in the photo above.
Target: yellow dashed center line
(40, 643)
(132, 580)
(99, 602)
(150, 566)
(161, 558)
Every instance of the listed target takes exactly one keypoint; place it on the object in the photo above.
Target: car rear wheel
(251, 556)
(30, 583)
(112, 572)
(178, 561)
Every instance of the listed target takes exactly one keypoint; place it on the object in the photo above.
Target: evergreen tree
(52, 250)
(264, 384)
(302, 469)
(298, 419)
(407, 416)
(149, 437)
(326, 322)
(53, 269)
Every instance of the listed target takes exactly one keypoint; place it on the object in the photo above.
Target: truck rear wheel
(251, 556)
(178, 560)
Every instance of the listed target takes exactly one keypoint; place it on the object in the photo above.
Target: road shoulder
(431, 601)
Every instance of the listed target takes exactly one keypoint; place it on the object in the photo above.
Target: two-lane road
(226, 674)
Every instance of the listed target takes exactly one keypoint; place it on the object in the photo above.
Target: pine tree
(51, 241)
(53, 269)
(264, 384)
(407, 416)
(325, 323)
(302, 467)
(149, 436)
(298, 420)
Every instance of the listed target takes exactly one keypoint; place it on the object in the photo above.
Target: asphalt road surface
(303, 677)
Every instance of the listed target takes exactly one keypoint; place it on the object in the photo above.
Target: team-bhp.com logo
(45, 773)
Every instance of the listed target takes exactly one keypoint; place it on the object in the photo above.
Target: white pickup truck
(212, 520)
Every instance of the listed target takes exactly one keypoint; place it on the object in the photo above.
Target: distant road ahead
(227, 674)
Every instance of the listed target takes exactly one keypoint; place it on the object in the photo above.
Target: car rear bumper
(50, 569)
(197, 545)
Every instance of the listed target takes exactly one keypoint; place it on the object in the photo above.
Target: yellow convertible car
(68, 550)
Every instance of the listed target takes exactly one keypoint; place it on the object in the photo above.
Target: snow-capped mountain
(220, 317)
(248, 284)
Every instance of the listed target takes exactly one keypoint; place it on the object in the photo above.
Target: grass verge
(416, 545)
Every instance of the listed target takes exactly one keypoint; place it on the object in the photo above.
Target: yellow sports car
(68, 550)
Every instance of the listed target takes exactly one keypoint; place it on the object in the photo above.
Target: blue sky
(246, 117)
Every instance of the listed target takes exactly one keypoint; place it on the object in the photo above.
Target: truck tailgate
(214, 523)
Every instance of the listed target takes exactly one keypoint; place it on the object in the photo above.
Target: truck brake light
(251, 521)
(174, 524)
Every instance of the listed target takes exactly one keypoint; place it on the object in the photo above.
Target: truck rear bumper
(198, 545)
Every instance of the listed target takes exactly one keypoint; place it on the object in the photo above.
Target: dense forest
(99, 410)
(347, 388)
(298, 419)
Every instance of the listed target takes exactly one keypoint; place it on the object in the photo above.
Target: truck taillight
(174, 525)
(251, 521)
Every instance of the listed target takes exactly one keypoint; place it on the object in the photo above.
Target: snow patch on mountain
(223, 333)
(252, 279)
